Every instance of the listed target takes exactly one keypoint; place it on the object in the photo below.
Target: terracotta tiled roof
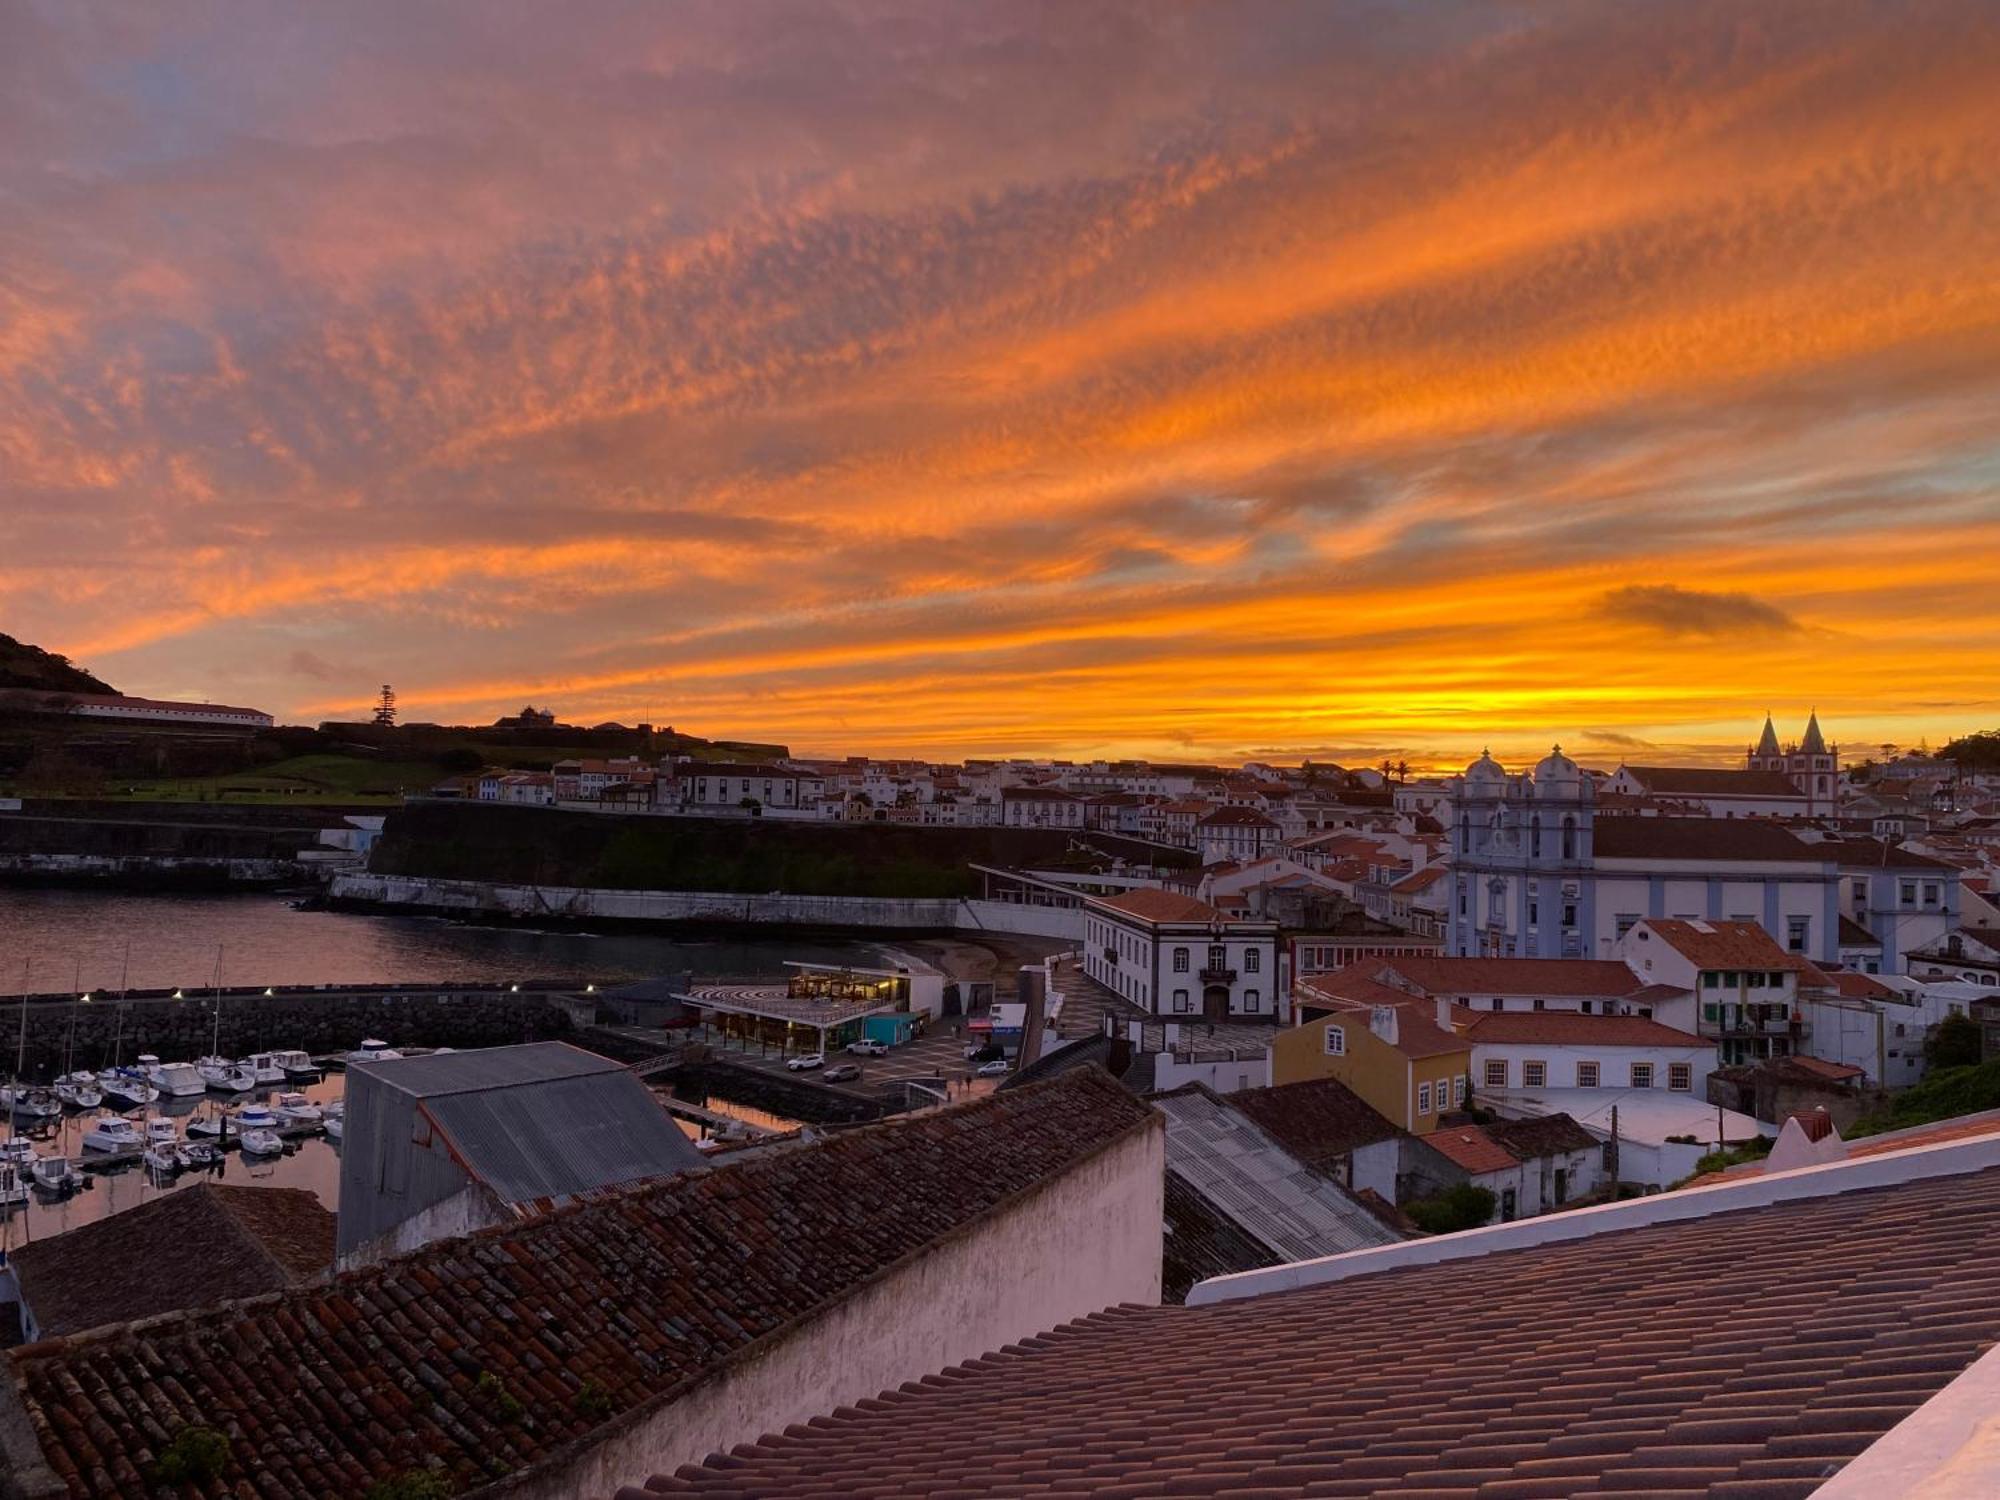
(1319, 1121)
(631, 1294)
(1246, 817)
(1562, 1028)
(1854, 935)
(1545, 1135)
(1471, 1149)
(1417, 1031)
(1155, 905)
(1815, 1067)
(1568, 977)
(190, 1248)
(1724, 945)
(1616, 1363)
(1706, 781)
(1419, 880)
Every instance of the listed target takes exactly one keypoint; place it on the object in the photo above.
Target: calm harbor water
(107, 940)
(311, 1162)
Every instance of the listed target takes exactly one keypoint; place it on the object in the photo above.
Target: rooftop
(631, 1294)
(1151, 904)
(1567, 977)
(1701, 781)
(1318, 1121)
(1558, 1028)
(1724, 945)
(192, 1247)
(1611, 1358)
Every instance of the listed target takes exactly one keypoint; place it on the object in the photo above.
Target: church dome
(1485, 770)
(1557, 773)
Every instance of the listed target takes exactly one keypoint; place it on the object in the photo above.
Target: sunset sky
(1331, 380)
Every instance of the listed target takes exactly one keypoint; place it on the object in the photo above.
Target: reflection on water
(310, 1162)
(108, 940)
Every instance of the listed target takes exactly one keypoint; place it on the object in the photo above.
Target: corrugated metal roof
(557, 1137)
(1248, 1176)
(485, 1068)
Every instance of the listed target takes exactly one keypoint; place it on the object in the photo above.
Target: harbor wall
(543, 903)
(147, 872)
(1069, 1247)
(487, 901)
(319, 1021)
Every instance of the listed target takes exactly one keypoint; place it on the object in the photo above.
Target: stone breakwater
(319, 1021)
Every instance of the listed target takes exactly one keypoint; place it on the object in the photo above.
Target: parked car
(801, 1064)
(984, 1052)
(841, 1073)
(998, 1068)
(867, 1047)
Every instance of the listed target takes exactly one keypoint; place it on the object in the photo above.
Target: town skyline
(1266, 382)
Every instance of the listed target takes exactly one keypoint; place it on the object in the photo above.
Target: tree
(1462, 1207)
(1953, 1043)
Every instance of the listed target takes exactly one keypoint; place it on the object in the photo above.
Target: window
(1627, 920)
(1336, 1041)
(1180, 960)
(1534, 912)
(1569, 914)
(1250, 1001)
(1541, 1005)
(1798, 931)
(1586, 1075)
(1710, 979)
(1585, 1007)
(1680, 1076)
(1859, 889)
(1756, 978)
(1461, 898)
(1534, 1075)
(1496, 1072)
(1253, 958)
(1497, 1003)
(1458, 1090)
(1423, 1098)
(1930, 893)
(1569, 837)
(1218, 956)
(1909, 893)
(1642, 1075)
(1180, 1000)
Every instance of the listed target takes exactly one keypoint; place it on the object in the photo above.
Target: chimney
(1382, 1021)
(1444, 1015)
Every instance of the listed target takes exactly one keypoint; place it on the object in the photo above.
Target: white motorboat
(177, 1080)
(297, 1109)
(30, 1103)
(221, 1125)
(256, 1117)
(262, 1143)
(13, 1185)
(218, 1073)
(54, 1174)
(264, 1068)
(126, 1088)
(161, 1159)
(297, 1064)
(18, 1150)
(234, 1078)
(161, 1131)
(79, 1091)
(373, 1049)
(112, 1133)
(198, 1154)
(336, 1127)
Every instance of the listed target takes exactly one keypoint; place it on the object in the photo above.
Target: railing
(1217, 976)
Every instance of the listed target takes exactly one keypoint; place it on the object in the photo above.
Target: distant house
(190, 1248)
(1172, 956)
(1530, 1166)
(443, 1145)
(1040, 807)
(1399, 1053)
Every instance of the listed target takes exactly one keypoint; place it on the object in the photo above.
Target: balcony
(1217, 976)
(1774, 1021)
(1110, 953)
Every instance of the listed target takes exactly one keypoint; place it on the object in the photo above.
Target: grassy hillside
(537, 846)
(1944, 1094)
(26, 666)
(302, 779)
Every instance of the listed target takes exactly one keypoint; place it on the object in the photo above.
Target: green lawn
(302, 779)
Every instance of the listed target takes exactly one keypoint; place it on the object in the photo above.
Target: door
(1215, 1002)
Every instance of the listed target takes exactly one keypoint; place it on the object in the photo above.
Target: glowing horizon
(1254, 382)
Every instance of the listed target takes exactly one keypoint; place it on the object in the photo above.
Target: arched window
(1569, 837)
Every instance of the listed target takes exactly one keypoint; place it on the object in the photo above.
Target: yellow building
(1385, 1045)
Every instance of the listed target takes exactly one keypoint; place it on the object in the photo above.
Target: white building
(163, 711)
(1175, 956)
(1040, 807)
(1747, 987)
(727, 784)
(1235, 833)
(1516, 1051)
(1537, 872)
(1705, 792)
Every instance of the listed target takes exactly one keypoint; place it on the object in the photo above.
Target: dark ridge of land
(747, 856)
(25, 666)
